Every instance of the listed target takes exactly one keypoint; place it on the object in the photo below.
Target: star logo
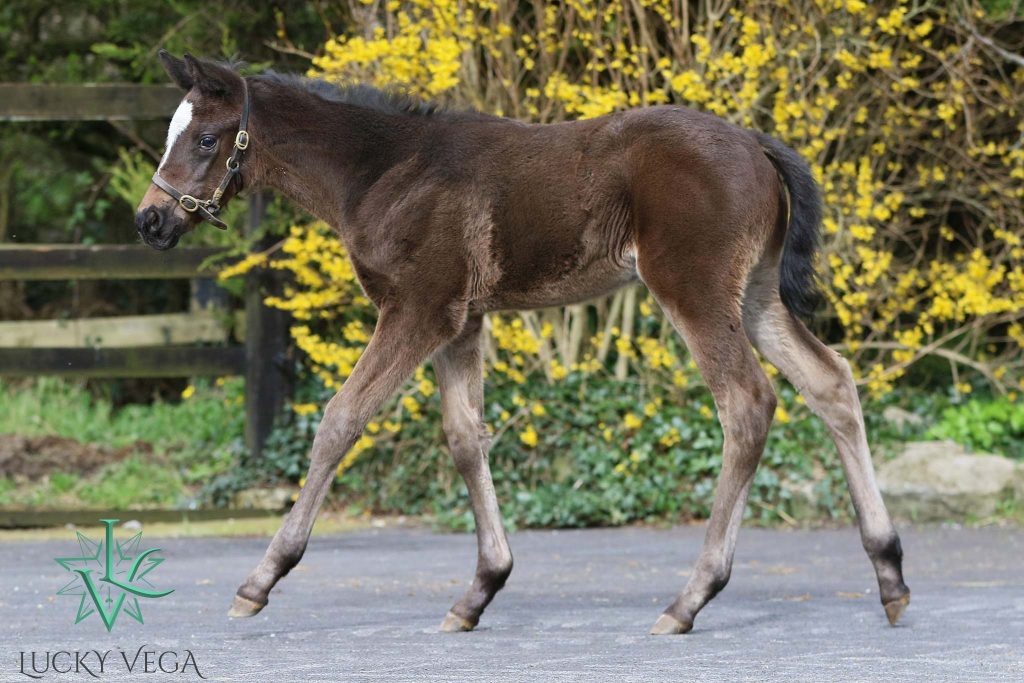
(120, 579)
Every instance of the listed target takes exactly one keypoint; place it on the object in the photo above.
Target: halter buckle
(242, 139)
(189, 203)
(233, 164)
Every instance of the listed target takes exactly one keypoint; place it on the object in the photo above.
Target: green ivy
(575, 476)
(984, 424)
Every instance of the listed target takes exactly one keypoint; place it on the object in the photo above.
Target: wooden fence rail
(97, 102)
(102, 262)
(97, 347)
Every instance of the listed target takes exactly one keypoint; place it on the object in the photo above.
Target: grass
(50, 406)
(188, 443)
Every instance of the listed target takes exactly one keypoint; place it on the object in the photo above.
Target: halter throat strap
(209, 208)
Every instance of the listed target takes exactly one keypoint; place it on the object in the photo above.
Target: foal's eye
(208, 142)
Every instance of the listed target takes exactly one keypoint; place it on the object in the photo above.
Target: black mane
(385, 101)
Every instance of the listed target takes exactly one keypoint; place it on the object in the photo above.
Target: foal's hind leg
(824, 379)
(458, 366)
(402, 340)
(711, 323)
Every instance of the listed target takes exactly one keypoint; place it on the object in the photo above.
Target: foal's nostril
(148, 222)
(153, 219)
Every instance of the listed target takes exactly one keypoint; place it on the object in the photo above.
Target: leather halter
(209, 208)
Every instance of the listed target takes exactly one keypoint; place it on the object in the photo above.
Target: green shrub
(984, 424)
(586, 469)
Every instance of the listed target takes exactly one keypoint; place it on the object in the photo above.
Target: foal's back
(554, 214)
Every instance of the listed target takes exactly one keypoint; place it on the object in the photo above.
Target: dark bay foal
(449, 215)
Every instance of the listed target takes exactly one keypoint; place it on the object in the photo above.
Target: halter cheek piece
(209, 208)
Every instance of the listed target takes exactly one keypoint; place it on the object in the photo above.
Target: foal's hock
(450, 215)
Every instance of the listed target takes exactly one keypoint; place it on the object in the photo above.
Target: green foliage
(984, 424)
(54, 175)
(1002, 8)
(575, 476)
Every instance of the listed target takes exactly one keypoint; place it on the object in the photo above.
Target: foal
(450, 215)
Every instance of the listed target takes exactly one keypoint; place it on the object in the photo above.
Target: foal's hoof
(668, 625)
(894, 608)
(244, 607)
(453, 623)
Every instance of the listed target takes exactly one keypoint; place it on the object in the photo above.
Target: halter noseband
(209, 208)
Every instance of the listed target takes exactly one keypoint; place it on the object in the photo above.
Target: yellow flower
(670, 438)
(706, 412)
(631, 421)
(411, 404)
(305, 408)
(188, 392)
(558, 371)
(529, 436)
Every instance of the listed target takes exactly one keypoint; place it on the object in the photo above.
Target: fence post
(267, 371)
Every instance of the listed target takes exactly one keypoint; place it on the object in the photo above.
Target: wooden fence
(191, 344)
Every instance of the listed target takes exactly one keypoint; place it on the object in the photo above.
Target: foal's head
(202, 147)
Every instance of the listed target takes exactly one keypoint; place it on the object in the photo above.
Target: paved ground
(364, 606)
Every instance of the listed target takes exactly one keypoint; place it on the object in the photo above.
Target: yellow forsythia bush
(911, 115)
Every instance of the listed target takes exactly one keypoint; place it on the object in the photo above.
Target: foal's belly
(591, 281)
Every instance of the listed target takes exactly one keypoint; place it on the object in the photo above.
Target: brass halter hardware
(209, 208)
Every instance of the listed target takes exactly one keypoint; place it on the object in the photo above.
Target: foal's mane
(367, 96)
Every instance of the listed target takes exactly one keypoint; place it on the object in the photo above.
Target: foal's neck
(324, 155)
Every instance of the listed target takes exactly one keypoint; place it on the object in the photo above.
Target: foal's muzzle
(159, 227)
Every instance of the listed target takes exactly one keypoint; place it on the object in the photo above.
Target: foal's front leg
(402, 340)
(458, 366)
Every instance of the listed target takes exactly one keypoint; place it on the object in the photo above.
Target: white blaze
(179, 122)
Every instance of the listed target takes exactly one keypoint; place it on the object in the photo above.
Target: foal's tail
(797, 287)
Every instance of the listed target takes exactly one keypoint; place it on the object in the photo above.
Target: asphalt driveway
(365, 606)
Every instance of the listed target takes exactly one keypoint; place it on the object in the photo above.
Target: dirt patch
(34, 457)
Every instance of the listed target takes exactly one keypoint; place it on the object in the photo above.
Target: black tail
(797, 284)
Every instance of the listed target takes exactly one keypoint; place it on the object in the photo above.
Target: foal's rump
(712, 200)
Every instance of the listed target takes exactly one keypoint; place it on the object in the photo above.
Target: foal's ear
(211, 79)
(176, 69)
